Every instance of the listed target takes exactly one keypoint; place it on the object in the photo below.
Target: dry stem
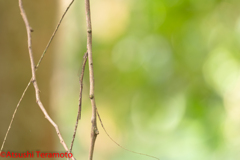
(94, 130)
(34, 80)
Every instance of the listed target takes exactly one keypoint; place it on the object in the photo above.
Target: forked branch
(40, 60)
(34, 80)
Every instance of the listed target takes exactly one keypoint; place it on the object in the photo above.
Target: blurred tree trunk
(30, 130)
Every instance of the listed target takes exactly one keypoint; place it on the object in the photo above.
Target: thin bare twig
(119, 144)
(40, 60)
(54, 33)
(34, 80)
(94, 130)
(14, 113)
(80, 98)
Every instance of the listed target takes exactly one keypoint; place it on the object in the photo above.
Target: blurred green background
(166, 78)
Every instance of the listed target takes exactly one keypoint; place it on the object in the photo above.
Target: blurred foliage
(166, 76)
